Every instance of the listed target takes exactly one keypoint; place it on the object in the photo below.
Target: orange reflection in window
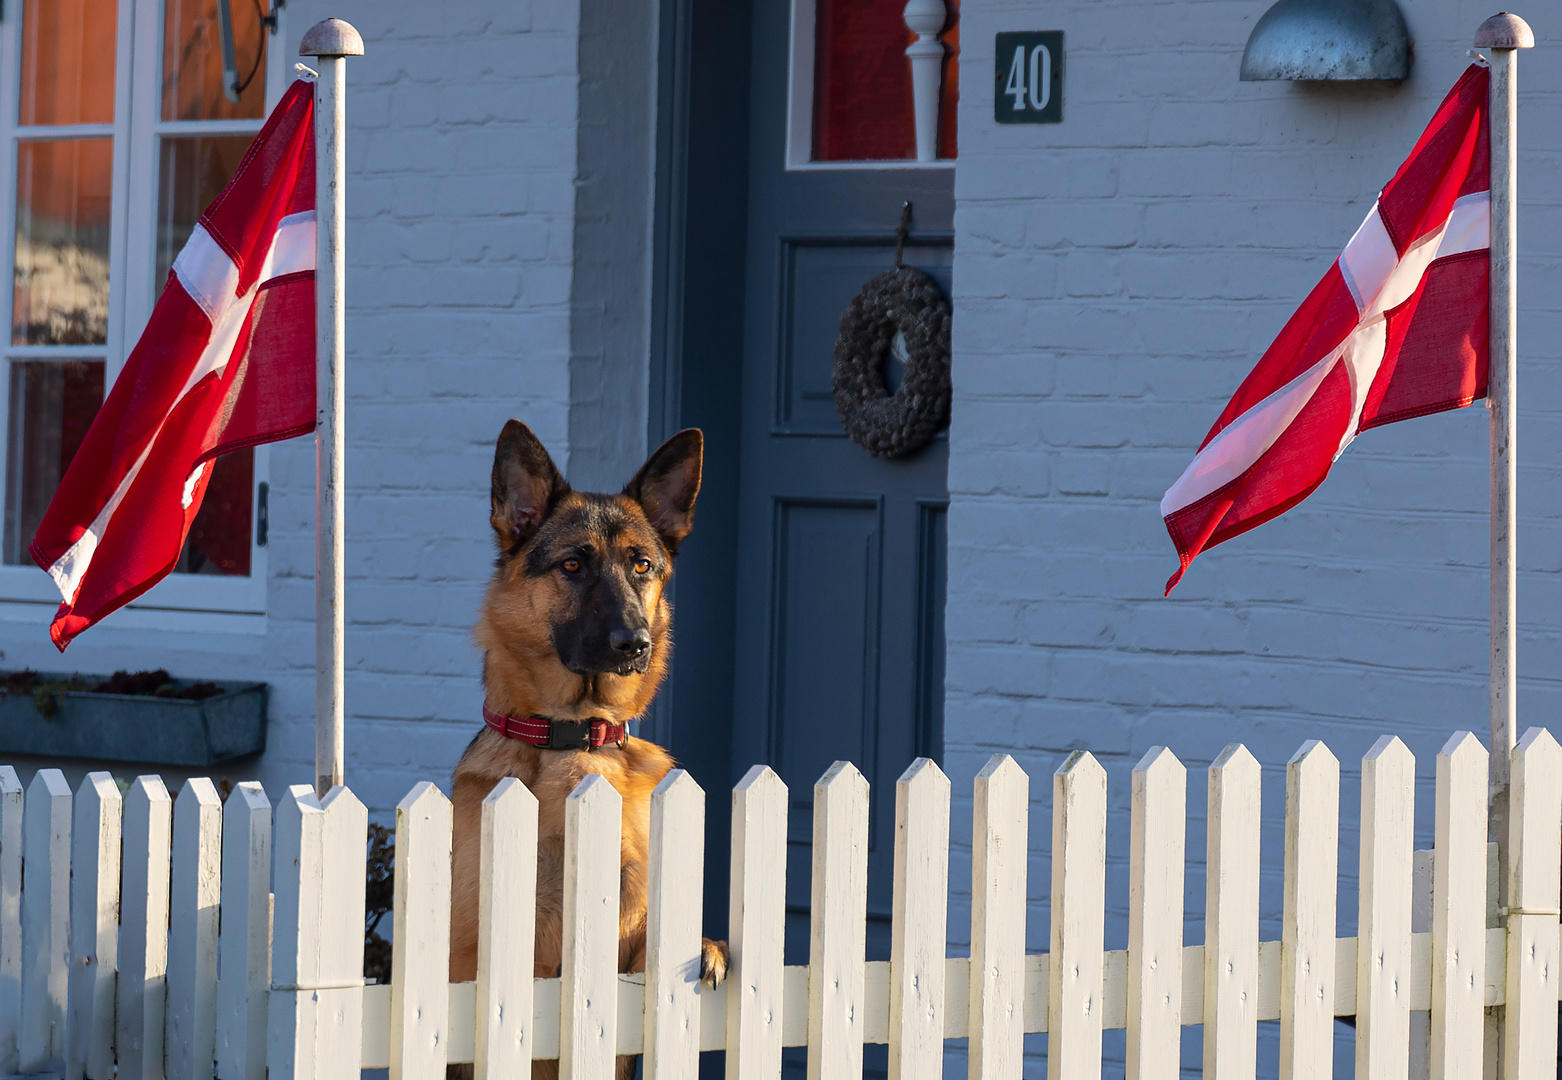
(192, 171)
(60, 281)
(192, 61)
(68, 61)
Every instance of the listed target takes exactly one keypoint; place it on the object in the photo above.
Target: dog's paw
(714, 958)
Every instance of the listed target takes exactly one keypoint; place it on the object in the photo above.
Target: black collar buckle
(569, 735)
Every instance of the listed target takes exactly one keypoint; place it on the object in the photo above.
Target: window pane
(68, 61)
(192, 61)
(52, 405)
(193, 171)
(863, 109)
(862, 82)
(60, 285)
(219, 539)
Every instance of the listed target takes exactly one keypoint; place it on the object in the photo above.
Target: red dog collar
(555, 734)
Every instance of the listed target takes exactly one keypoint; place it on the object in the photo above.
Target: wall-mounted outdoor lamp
(1328, 40)
(232, 84)
(230, 67)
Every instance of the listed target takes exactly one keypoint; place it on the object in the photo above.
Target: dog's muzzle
(626, 652)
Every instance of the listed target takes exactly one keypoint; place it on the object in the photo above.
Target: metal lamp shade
(1328, 40)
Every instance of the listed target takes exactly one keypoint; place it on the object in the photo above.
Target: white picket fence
(112, 954)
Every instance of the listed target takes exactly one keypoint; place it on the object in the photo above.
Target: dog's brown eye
(642, 566)
(571, 566)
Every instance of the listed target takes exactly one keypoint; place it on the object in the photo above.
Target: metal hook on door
(901, 231)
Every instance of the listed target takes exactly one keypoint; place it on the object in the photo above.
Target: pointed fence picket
(114, 962)
(46, 829)
(672, 938)
(588, 1029)
(1230, 1003)
(1383, 960)
(917, 934)
(143, 930)
(999, 843)
(839, 925)
(191, 1047)
(420, 964)
(244, 938)
(1307, 950)
(316, 1003)
(94, 905)
(1158, 832)
(1458, 1004)
(1076, 963)
(1534, 875)
(507, 909)
(757, 926)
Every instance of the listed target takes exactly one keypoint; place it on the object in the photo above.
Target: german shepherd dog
(575, 629)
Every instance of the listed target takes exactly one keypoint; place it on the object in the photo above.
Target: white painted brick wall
(462, 154)
(1115, 278)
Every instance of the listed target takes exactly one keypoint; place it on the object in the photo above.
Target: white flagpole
(1501, 36)
(331, 42)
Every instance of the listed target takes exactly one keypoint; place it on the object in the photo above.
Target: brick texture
(461, 197)
(1116, 275)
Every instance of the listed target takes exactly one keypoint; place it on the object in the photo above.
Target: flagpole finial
(335, 37)
(1504, 31)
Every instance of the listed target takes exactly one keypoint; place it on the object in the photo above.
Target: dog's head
(576, 620)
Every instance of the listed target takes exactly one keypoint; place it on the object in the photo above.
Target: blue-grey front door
(810, 598)
(840, 555)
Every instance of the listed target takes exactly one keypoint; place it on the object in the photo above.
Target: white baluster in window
(926, 19)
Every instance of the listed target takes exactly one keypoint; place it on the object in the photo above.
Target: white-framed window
(117, 127)
(856, 99)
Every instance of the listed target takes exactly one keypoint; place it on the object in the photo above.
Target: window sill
(867, 164)
(177, 592)
(120, 727)
(203, 625)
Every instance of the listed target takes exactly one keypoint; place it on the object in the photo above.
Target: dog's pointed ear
(666, 486)
(525, 485)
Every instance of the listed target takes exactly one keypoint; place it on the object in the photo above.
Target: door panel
(824, 656)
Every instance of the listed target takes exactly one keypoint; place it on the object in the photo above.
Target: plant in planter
(131, 716)
(379, 897)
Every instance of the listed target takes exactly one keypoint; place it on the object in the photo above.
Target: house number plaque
(1028, 77)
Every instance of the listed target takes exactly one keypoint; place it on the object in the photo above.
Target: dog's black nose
(631, 643)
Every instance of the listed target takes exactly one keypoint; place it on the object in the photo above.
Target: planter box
(124, 727)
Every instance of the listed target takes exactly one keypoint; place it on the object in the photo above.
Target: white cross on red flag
(227, 361)
(1396, 329)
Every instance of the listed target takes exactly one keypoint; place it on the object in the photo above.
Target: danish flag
(227, 360)
(1396, 329)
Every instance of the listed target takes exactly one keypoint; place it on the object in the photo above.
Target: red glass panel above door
(862, 82)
